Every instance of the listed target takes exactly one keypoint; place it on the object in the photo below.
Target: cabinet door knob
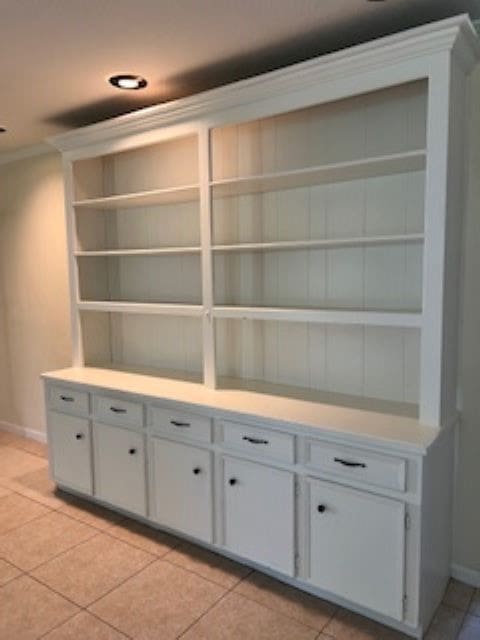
(197, 470)
(232, 481)
(132, 451)
(321, 508)
(79, 436)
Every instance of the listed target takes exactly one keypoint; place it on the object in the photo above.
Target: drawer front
(118, 411)
(67, 400)
(364, 466)
(180, 424)
(264, 443)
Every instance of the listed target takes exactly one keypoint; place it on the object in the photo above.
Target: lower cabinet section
(69, 441)
(182, 487)
(259, 513)
(357, 546)
(119, 460)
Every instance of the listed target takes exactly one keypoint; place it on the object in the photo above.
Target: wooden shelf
(145, 308)
(165, 251)
(171, 195)
(408, 238)
(322, 316)
(331, 173)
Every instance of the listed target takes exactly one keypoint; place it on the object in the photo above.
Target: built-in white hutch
(264, 295)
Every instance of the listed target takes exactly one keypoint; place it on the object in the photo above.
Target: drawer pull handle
(350, 463)
(255, 440)
(232, 482)
(197, 471)
(176, 423)
(118, 410)
(321, 508)
(67, 398)
(132, 452)
(79, 436)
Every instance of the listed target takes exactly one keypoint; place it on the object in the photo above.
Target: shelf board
(154, 308)
(322, 316)
(330, 173)
(171, 195)
(291, 245)
(164, 251)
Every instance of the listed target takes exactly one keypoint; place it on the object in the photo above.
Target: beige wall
(34, 310)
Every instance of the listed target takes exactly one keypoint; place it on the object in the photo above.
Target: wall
(34, 312)
(467, 516)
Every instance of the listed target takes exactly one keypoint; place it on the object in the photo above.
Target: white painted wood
(181, 424)
(139, 252)
(154, 308)
(358, 465)
(182, 488)
(258, 442)
(258, 516)
(70, 448)
(119, 411)
(119, 462)
(68, 400)
(141, 199)
(357, 545)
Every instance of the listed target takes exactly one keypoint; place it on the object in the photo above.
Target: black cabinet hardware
(350, 463)
(67, 398)
(118, 410)
(176, 423)
(79, 436)
(197, 470)
(132, 451)
(255, 440)
(232, 481)
(321, 508)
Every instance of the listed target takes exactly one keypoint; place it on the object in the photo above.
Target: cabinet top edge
(357, 426)
(420, 41)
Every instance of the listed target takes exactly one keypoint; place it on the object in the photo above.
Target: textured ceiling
(55, 55)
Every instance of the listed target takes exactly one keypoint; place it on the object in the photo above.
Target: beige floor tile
(4, 491)
(474, 609)
(294, 603)
(458, 595)
(346, 625)
(144, 537)
(37, 485)
(470, 629)
(211, 566)
(89, 513)
(29, 609)
(14, 462)
(92, 569)
(7, 572)
(36, 542)
(238, 618)
(445, 624)
(24, 444)
(161, 596)
(16, 510)
(84, 626)
(7, 438)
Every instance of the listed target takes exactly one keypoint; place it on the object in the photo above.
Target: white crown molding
(25, 152)
(429, 39)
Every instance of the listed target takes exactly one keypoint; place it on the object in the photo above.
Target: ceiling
(56, 55)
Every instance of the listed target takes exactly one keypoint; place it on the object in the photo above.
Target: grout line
(56, 626)
(42, 515)
(109, 624)
(60, 554)
(111, 533)
(199, 575)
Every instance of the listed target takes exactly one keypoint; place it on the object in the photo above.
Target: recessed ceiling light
(128, 81)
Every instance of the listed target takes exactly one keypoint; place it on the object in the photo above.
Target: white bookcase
(296, 234)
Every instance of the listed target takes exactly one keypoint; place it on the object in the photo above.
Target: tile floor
(73, 571)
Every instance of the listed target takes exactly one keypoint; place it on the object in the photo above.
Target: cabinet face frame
(442, 54)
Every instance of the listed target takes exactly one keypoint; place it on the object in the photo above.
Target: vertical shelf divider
(208, 330)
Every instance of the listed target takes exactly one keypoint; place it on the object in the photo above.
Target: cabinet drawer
(181, 424)
(365, 466)
(265, 443)
(68, 400)
(118, 411)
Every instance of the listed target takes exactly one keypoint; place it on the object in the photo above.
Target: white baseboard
(464, 574)
(34, 434)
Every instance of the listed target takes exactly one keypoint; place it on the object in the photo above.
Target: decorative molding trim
(26, 152)
(464, 574)
(34, 434)
(431, 39)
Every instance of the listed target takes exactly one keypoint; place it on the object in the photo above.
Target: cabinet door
(119, 457)
(69, 442)
(259, 513)
(182, 487)
(357, 546)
